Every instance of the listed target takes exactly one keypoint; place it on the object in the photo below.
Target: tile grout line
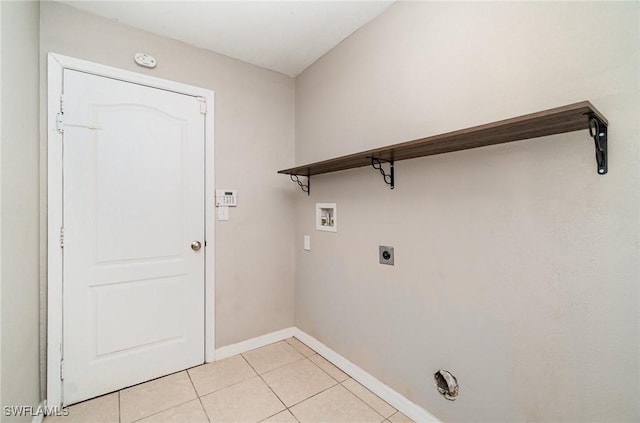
(224, 387)
(303, 344)
(316, 394)
(275, 368)
(287, 410)
(327, 373)
(177, 405)
(268, 386)
(388, 418)
(198, 396)
(317, 365)
(157, 378)
(256, 374)
(166, 409)
(330, 363)
(204, 394)
(152, 380)
(296, 361)
(368, 405)
(324, 390)
(337, 382)
(342, 383)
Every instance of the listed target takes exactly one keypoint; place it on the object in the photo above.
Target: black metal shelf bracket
(304, 187)
(388, 177)
(598, 131)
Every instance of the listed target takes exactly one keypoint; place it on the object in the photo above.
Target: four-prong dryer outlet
(386, 255)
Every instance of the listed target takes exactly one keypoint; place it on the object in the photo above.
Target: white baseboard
(395, 399)
(250, 344)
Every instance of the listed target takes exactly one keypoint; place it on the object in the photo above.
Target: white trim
(54, 222)
(394, 398)
(67, 62)
(209, 251)
(253, 343)
(39, 417)
(56, 64)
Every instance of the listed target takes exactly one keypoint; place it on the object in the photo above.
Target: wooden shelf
(569, 118)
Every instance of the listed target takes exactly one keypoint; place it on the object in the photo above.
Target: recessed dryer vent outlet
(447, 384)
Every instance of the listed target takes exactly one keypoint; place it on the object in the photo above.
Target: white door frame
(56, 64)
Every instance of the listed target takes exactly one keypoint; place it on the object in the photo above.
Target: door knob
(196, 245)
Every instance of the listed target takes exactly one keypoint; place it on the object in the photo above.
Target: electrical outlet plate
(307, 242)
(386, 255)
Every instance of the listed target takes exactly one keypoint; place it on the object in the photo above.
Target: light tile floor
(283, 382)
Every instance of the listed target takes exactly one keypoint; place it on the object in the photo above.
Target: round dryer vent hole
(447, 384)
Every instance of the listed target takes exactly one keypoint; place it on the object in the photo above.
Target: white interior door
(133, 204)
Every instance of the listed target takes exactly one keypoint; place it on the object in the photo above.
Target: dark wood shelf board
(559, 120)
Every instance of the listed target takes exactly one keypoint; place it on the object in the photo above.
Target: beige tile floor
(283, 382)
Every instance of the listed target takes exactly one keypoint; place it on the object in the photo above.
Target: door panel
(127, 326)
(133, 300)
(135, 214)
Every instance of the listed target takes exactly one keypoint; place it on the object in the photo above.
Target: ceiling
(284, 36)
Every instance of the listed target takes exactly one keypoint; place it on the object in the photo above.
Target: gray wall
(516, 265)
(254, 120)
(19, 221)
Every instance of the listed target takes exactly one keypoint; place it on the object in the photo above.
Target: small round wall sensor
(145, 60)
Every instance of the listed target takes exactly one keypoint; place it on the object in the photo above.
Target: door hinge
(61, 237)
(203, 105)
(60, 123)
(61, 370)
(60, 116)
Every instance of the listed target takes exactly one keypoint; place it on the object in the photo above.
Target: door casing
(56, 63)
